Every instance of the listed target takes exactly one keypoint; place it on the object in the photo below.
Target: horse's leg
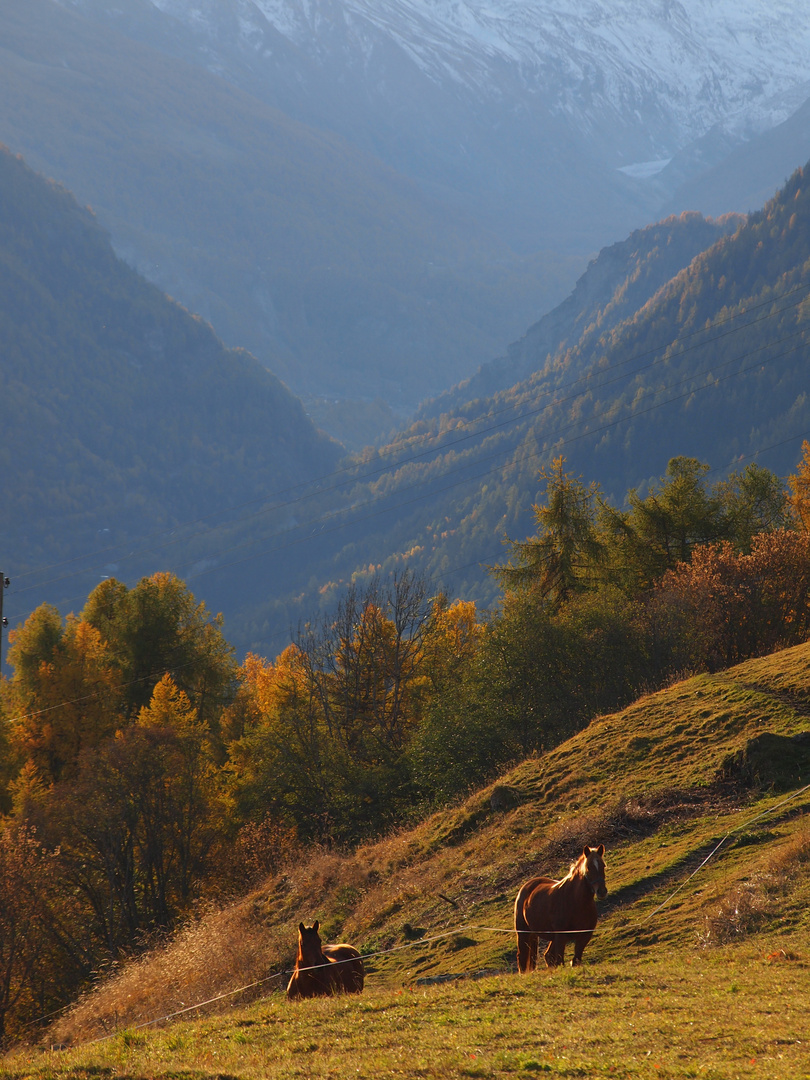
(523, 953)
(527, 952)
(555, 952)
(579, 948)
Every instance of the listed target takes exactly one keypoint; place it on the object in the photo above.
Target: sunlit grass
(703, 1013)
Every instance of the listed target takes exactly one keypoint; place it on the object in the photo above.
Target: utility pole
(4, 584)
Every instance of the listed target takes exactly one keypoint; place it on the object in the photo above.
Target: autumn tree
(799, 483)
(323, 733)
(159, 628)
(66, 695)
(363, 663)
(726, 606)
(662, 529)
(282, 761)
(753, 501)
(24, 868)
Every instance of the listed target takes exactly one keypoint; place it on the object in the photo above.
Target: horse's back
(349, 971)
(524, 893)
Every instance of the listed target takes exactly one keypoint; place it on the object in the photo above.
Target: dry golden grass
(751, 904)
(208, 959)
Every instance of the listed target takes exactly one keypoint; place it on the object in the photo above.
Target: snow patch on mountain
(644, 170)
(679, 65)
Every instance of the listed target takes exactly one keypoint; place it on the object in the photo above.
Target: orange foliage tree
(726, 606)
(799, 483)
(320, 737)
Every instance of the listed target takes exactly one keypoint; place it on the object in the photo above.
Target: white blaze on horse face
(596, 872)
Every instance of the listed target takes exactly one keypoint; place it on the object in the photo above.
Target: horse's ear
(301, 928)
(600, 851)
(586, 851)
(315, 926)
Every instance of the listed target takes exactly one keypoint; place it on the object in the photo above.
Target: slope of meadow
(701, 963)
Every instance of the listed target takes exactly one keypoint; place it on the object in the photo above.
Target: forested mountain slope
(120, 412)
(712, 366)
(616, 283)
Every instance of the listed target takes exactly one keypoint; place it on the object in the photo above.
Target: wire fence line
(607, 931)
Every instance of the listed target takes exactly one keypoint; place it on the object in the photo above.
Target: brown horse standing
(322, 970)
(560, 911)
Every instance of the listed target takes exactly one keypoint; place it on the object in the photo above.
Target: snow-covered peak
(690, 63)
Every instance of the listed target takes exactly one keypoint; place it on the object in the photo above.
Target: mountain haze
(338, 273)
(747, 177)
(121, 413)
(712, 366)
(494, 104)
(709, 364)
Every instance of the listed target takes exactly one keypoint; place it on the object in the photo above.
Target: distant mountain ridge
(687, 64)
(120, 412)
(338, 273)
(491, 102)
(747, 175)
(621, 279)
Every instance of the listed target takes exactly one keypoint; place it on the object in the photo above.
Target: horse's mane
(576, 867)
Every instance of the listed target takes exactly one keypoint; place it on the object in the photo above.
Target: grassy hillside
(700, 965)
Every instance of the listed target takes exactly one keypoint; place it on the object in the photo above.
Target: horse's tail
(526, 940)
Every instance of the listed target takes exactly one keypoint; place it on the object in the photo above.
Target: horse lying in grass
(560, 911)
(322, 970)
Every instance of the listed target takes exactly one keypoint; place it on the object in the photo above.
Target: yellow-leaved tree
(799, 484)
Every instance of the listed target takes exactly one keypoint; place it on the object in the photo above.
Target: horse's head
(594, 869)
(309, 943)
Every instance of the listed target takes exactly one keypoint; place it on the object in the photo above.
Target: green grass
(722, 1013)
